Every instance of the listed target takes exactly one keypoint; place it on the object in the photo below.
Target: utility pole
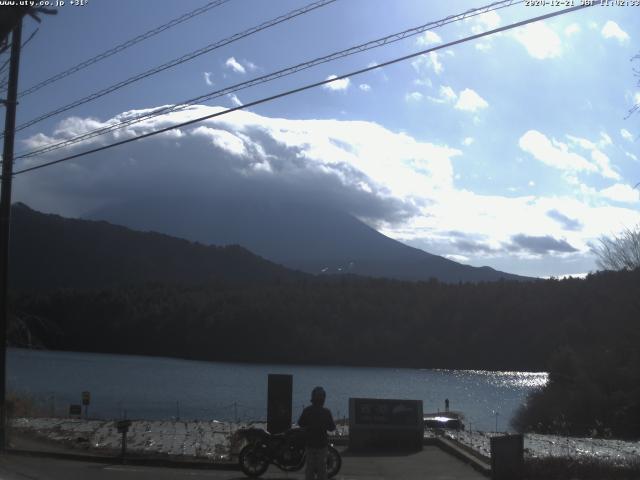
(5, 217)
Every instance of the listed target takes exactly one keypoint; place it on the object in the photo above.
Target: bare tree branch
(621, 252)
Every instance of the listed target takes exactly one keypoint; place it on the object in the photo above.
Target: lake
(162, 388)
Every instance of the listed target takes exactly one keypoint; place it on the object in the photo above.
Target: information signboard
(376, 423)
(75, 410)
(123, 426)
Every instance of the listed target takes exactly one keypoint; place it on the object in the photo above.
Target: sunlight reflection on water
(509, 379)
(162, 388)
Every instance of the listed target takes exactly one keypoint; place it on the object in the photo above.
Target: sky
(515, 151)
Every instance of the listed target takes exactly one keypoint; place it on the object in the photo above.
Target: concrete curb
(461, 451)
(148, 462)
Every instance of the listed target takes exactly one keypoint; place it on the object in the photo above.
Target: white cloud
(612, 30)
(482, 23)
(234, 65)
(582, 142)
(365, 87)
(604, 165)
(531, 183)
(223, 139)
(482, 227)
(470, 101)
(540, 40)
(600, 160)
(621, 193)
(486, 21)
(468, 141)
(423, 82)
(428, 38)
(413, 97)
(552, 153)
(426, 62)
(605, 139)
(446, 94)
(235, 100)
(457, 257)
(626, 134)
(631, 156)
(356, 166)
(571, 29)
(337, 85)
(435, 63)
(207, 78)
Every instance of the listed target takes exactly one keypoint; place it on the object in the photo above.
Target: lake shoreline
(153, 388)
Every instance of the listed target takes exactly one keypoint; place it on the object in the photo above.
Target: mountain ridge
(304, 237)
(51, 251)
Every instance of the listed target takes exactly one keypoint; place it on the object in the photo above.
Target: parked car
(443, 421)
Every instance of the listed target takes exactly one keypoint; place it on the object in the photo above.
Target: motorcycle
(284, 450)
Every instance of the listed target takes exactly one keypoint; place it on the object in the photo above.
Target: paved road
(431, 463)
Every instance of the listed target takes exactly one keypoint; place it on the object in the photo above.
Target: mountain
(49, 251)
(306, 237)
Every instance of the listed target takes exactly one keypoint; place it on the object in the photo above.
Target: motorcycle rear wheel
(252, 462)
(334, 462)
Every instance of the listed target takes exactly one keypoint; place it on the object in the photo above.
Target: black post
(124, 445)
(5, 217)
(123, 428)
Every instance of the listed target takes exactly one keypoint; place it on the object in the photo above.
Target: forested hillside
(350, 320)
(50, 251)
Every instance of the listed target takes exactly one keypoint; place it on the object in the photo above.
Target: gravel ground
(213, 440)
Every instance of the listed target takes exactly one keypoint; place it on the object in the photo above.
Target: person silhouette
(316, 420)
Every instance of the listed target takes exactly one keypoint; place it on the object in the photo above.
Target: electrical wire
(123, 46)
(177, 61)
(4, 82)
(310, 86)
(274, 75)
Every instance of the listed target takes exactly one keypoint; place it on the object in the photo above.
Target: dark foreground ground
(431, 463)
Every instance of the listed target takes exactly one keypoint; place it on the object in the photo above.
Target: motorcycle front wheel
(334, 462)
(252, 462)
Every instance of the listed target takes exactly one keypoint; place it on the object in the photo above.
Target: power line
(5, 81)
(275, 75)
(309, 86)
(2, 69)
(124, 46)
(177, 61)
